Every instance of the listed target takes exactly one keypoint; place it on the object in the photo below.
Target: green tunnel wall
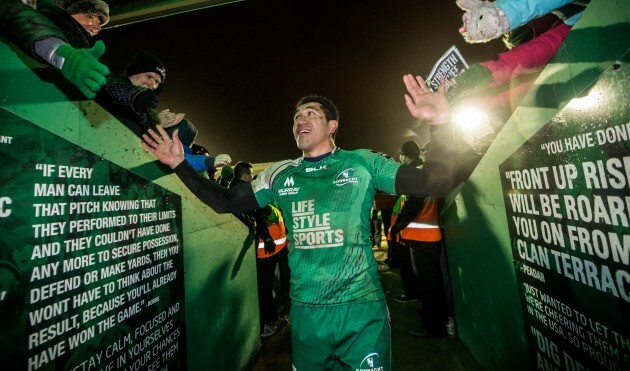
(486, 292)
(221, 307)
(219, 268)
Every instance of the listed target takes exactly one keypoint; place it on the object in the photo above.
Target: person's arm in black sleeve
(169, 151)
(262, 231)
(467, 160)
(246, 220)
(261, 224)
(238, 199)
(412, 207)
(436, 177)
(209, 162)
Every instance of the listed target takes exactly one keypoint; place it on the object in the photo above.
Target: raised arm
(436, 177)
(169, 151)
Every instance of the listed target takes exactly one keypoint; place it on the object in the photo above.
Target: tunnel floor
(410, 353)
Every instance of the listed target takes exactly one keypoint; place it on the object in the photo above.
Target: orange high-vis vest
(425, 227)
(277, 232)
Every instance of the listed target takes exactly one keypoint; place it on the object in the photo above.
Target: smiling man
(314, 124)
(338, 313)
(78, 20)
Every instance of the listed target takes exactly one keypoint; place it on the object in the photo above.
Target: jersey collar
(320, 157)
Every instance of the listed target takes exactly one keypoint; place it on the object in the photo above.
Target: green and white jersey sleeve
(326, 206)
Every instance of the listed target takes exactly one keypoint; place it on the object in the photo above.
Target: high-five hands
(425, 105)
(168, 151)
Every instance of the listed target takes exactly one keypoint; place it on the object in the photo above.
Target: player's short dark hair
(328, 106)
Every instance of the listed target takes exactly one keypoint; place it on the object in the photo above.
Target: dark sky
(237, 70)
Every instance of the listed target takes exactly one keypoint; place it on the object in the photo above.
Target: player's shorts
(353, 337)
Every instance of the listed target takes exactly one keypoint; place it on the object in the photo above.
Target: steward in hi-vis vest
(271, 248)
(415, 221)
(277, 231)
(425, 225)
(420, 219)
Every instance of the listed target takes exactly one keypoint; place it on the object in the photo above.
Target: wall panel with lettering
(567, 197)
(91, 260)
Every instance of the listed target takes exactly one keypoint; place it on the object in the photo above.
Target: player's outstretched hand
(168, 151)
(425, 105)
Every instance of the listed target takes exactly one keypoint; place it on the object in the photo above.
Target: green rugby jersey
(326, 206)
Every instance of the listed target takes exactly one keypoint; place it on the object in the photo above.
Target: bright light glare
(586, 102)
(473, 123)
(470, 119)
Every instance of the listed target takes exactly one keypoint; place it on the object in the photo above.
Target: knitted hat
(410, 148)
(187, 132)
(96, 7)
(227, 172)
(145, 62)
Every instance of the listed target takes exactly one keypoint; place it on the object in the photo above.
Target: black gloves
(270, 245)
(394, 232)
(145, 101)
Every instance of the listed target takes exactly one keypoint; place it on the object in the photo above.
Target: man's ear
(332, 126)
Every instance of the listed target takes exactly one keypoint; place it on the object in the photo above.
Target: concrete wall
(219, 261)
(489, 313)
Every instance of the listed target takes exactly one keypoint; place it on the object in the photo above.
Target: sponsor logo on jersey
(316, 168)
(312, 230)
(289, 189)
(371, 362)
(346, 177)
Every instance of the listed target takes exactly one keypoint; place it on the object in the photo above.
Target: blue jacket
(198, 162)
(519, 12)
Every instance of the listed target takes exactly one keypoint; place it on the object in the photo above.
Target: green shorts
(354, 336)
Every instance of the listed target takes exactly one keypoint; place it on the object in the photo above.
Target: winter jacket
(118, 96)
(198, 162)
(533, 54)
(74, 33)
(24, 26)
(519, 12)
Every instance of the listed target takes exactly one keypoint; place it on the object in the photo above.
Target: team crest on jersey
(289, 187)
(371, 362)
(346, 177)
